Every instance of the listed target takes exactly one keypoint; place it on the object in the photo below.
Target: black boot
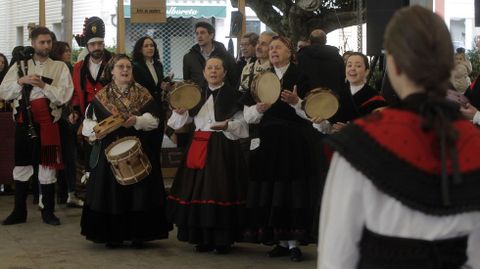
(19, 214)
(48, 197)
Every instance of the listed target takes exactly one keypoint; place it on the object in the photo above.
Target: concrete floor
(35, 245)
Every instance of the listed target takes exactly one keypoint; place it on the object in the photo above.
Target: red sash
(197, 153)
(50, 146)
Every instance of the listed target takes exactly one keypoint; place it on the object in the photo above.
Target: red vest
(90, 89)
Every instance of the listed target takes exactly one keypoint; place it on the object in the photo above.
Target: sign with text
(148, 11)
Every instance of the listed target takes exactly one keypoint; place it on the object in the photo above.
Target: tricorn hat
(93, 30)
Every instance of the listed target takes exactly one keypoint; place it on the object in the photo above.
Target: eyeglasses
(122, 66)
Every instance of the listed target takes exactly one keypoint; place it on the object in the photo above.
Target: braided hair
(420, 43)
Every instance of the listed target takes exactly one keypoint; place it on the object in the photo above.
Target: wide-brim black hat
(93, 30)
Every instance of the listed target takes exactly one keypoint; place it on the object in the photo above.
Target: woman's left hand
(290, 97)
(130, 122)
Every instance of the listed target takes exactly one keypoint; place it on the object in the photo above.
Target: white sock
(283, 244)
(292, 244)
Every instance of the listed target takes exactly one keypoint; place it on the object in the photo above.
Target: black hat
(93, 30)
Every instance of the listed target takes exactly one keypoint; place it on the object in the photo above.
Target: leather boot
(19, 213)
(48, 196)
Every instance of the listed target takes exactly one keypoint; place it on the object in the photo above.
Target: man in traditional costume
(37, 91)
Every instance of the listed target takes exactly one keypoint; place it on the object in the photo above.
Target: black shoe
(203, 248)
(19, 213)
(48, 195)
(296, 255)
(223, 249)
(15, 217)
(114, 244)
(278, 251)
(50, 218)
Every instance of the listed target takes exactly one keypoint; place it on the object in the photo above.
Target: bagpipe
(22, 57)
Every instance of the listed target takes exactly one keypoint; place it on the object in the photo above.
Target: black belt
(379, 251)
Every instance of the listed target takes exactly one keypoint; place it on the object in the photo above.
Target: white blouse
(351, 202)
(151, 68)
(237, 126)
(144, 122)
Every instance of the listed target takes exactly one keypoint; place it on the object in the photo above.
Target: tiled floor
(35, 245)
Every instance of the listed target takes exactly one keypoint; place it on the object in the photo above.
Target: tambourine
(108, 125)
(185, 95)
(266, 88)
(320, 102)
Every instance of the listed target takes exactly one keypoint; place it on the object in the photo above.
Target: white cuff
(177, 121)
(251, 114)
(476, 118)
(87, 129)
(146, 122)
(298, 109)
(324, 127)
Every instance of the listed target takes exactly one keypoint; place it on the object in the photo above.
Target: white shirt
(94, 68)
(281, 71)
(351, 202)
(355, 89)
(151, 68)
(58, 93)
(237, 126)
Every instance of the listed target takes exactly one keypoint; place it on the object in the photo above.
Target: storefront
(177, 36)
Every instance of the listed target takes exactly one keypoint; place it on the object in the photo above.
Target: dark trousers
(67, 178)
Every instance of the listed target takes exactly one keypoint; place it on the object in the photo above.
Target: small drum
(108, 125)
(185, 95)
(128, 161)
(266, 88)
(320, 102)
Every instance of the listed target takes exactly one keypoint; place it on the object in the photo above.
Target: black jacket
(322, 66)
(193, 64)
(142, 76)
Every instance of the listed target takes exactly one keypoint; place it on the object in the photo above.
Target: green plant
(474, 57)
(376, 80)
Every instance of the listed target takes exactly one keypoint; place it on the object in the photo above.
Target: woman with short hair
(113, 212)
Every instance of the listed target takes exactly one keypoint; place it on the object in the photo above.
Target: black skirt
(113, 212)
(287, 175)
(207, 204)
(379, 251)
